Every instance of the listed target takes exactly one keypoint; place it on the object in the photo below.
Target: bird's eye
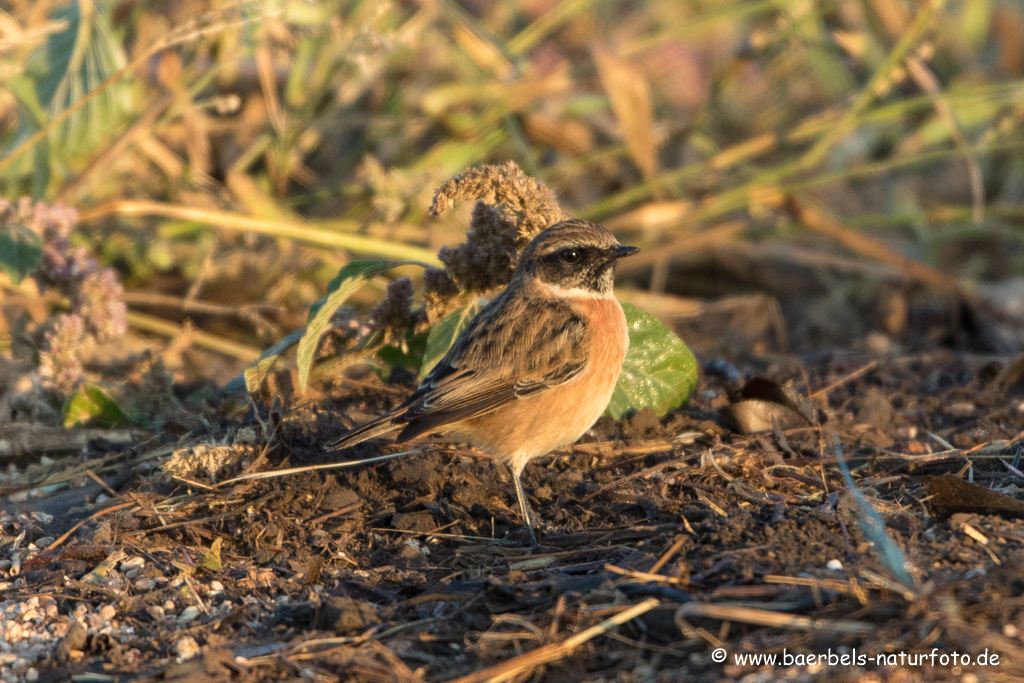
(570, 255)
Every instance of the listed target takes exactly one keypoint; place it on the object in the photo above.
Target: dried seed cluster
(512, 209)
(395, 314)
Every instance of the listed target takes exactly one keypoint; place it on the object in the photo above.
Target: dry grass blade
(17, 440)
(630, 96)
(148, 323)
(645, 577)
(559, 14)
(668, 555)
(864, 369)
(650, 216)
(924, 77)
(851, 586)
(96, 515)
(524, 663)
(312, 468)
(687, 243)
(818, 220)
(268, 84)
(224, 219)
(763, 617)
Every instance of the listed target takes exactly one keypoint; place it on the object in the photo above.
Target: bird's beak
(622, 251)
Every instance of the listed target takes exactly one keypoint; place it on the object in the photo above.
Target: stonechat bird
(536, 367)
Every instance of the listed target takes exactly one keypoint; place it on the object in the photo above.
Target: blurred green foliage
(322, 119)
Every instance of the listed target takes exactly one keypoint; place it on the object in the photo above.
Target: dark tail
(367, 431)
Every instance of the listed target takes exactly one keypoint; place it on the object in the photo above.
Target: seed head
(60, 362)
(394, 316)
(101, 303)
(512, 210)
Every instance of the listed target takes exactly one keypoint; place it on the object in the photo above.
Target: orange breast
(535, 425)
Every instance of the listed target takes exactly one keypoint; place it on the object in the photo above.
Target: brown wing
(514, 347)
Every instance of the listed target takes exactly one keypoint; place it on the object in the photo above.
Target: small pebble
(31, 675)
(961, 409)
(1010, 631)
(835, 565)
(133, 562)
(907, 432)
(145, 584)
(156, 612)
(216, 586)
(879, 344)
(107, 612)
(187, 648)
(188, 614)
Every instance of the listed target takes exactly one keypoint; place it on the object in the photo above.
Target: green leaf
(659, 371)
(92, 403)
(352, 275)
(72, 64)
(349, 279)
(252, 377)
(445, 332)
(20, 251)
(410, 358)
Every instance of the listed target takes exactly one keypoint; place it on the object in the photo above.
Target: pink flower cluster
(96, 297)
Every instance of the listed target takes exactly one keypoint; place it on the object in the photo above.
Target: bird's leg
(524, 507)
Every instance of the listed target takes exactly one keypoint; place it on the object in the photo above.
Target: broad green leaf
(252, 377)
(71, 65)
(445, 332)
(92, 403)
(354, 273)
(20, 250)
(349, 279)
(32, 116)
(659, 372)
